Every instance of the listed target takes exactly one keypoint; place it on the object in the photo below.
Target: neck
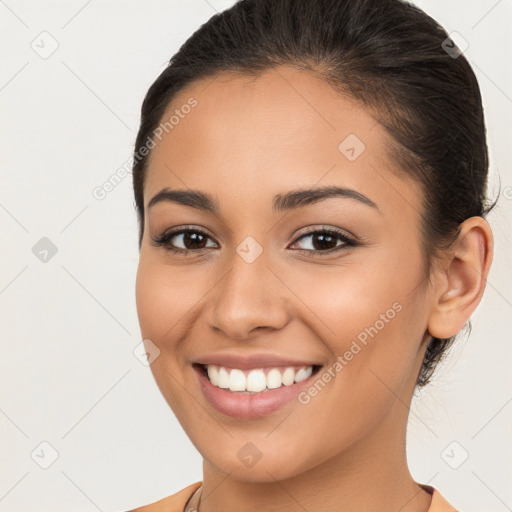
(371, 475)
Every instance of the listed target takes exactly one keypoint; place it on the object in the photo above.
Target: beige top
(187, 500)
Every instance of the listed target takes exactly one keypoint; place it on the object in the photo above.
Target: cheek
(164, 297)
(355, 301)
(151, 301)
(167, 300)
(158, 293)
(371, 324)
(372, 320)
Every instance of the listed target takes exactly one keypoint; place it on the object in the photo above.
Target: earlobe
(462, 281)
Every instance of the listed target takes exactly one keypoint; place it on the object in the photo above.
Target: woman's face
(266, 279)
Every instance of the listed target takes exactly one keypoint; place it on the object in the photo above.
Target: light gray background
(69, 326)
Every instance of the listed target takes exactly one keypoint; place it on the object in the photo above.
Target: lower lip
(249, 405)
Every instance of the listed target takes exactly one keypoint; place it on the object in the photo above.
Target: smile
(255, 392)
(256, 380)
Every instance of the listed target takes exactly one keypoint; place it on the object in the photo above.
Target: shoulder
(174, 503)
(439, 503)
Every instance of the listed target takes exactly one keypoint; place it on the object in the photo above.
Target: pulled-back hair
(387, 54)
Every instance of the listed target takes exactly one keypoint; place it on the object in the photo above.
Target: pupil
(193, 238)
(326, 238)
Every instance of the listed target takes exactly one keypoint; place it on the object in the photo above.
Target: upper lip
(245, 362)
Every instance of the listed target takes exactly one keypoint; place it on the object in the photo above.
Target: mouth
(252, 393)
(255, 380)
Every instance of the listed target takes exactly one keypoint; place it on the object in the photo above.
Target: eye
(189, 240)
(325, 241)
(186, 240)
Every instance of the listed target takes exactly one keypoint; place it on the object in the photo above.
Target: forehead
(249, 138)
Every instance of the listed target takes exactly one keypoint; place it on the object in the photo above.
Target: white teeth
(288, 376)
(303, 374)
(223, 379)
(274, 379)
(237, 380)
(255, 381)
(213, 374)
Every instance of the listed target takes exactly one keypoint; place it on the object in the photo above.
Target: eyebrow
(282, 202)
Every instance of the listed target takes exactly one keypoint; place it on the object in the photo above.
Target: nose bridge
(249, 295)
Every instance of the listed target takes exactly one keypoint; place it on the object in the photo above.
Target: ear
(460, 282)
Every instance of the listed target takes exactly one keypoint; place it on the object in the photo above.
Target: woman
(310, 180)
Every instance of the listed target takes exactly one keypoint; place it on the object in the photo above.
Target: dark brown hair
(387, 54)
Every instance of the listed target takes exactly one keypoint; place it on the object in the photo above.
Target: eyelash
(164, 239)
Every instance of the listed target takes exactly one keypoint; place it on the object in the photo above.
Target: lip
(244, 405)
(253, 361)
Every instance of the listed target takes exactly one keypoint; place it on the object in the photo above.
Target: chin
(270, 465)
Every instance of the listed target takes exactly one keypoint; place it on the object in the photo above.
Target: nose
(248, 299)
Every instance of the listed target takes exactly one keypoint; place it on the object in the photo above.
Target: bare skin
(246, 141)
